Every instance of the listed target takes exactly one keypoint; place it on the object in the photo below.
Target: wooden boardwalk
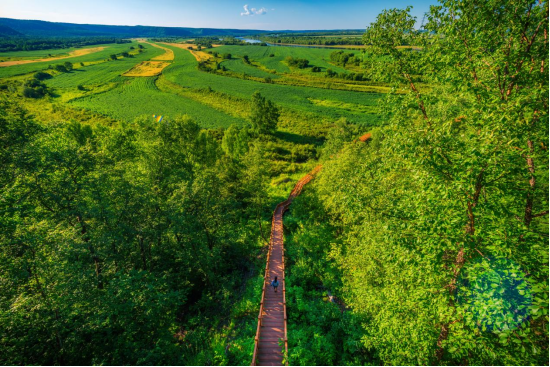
(271, 335)
(272, 318)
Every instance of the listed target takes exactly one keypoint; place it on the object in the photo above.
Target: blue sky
(258, 14)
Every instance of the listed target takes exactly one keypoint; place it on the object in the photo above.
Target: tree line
(30, 44)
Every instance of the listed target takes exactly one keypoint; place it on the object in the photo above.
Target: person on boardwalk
(275, 284)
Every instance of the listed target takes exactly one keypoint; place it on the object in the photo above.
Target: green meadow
(98, 85)
(9, 71)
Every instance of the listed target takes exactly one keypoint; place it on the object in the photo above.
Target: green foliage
(264, 115)
(61, 68)
(322, 331)
(34, 88)
(297, 62)
(42, 76)
(235, 141)
(444, 213)
(138, 234)
(344, 58)
(28, 44)
(68, 65)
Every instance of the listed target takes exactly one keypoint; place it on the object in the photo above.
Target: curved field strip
(147, 68)
(101, 73)
(199, 55)
(167, 56)
(75, 53)
(139, 96)
(154, 66)
(95, 57)
(238, 66)
(261, 54)
(184, 73)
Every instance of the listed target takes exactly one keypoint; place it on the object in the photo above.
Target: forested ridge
(130, 242)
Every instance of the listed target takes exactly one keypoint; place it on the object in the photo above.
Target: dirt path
(75, 53)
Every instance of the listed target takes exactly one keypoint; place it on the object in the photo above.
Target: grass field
(140, 96)
(211, 99)
(109, 49)
(75, 53)
(185, 74)
(101, 73)
(261, 54)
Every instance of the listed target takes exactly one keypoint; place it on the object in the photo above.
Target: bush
(316, 69)
(227, 56)
(299, 63)
(61, 68)
(68, 65)
(271, 55)
(42, 76)
(34, 88)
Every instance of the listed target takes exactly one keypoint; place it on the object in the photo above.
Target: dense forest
(126, 242)
(29, 44)
(435, 235)
(300, 39)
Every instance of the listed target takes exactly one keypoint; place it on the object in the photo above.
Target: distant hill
(38, 28)
(8, 32)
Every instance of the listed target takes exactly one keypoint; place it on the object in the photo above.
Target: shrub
(297, 62)
(61, 68)
(41, 76)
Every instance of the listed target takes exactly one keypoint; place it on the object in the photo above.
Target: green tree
(264, 114)
(68, 65)
(61, 68)
(235, 141)
(445, 212)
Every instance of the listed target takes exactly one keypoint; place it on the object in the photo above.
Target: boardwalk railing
(279, 211)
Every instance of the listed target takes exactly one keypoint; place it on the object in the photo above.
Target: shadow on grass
(299, 139)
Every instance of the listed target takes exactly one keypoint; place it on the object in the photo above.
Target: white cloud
(253, 11)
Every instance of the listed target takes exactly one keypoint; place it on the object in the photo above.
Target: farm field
(184, 73)
(104, 54)
(101, 73)
(261, 54)
(135, 97)
(76, 53)
(102, 85)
